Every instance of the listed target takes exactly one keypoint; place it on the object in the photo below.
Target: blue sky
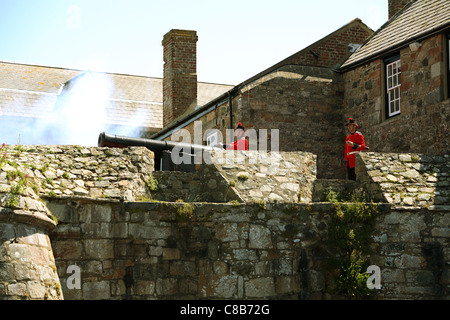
(237, 38)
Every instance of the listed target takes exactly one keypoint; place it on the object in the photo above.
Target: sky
(237, 38)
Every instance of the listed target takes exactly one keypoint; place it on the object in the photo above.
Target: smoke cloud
(77, 115)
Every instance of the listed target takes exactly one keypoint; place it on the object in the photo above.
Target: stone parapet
(268, 176)
(67, 171)
(406, 179)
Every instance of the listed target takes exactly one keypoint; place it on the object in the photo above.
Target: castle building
(394, 81)
(88, 223)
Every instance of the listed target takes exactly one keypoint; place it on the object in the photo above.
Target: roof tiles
(416, 19)
(32, 91)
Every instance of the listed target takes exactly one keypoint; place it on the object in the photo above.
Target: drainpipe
(230, 103)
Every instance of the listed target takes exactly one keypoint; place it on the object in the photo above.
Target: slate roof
(31, 91)
(417, 19)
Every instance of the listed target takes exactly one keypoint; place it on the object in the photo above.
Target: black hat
(352, 121)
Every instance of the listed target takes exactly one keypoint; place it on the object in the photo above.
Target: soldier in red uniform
(353, 144)
(241, 143)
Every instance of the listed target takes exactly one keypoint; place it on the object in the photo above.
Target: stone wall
(27, 264)
(411, 247)
(231, 251)
(257, 247)
(267, 177)
(416, 180)
(66, 171)
(241, 176)
(423, 124)
(217, 251)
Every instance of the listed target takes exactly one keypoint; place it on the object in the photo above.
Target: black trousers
(350, 171)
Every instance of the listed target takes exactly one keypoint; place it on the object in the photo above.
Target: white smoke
(77, 115)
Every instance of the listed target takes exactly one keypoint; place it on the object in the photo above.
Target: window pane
(393, 82)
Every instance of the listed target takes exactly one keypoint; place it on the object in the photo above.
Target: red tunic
(358, 139)
(239, 144)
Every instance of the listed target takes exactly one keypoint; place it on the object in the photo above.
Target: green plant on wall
(184, 211)
(152, 183)
(350, 229)
(19, 184)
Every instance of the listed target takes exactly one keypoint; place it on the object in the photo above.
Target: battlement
(246, 226)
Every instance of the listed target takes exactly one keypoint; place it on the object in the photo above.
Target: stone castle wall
(27, 264)
(257, 246)
(230, 251)
(415, 180)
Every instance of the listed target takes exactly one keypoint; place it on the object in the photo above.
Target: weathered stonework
(258, 247)
(27, 265)
(423, 124)
(416, 180)
(67, 171)
(268, 177)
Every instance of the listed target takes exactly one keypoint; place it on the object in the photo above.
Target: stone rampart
(129, 250)
(270, 243)
(267, 177)
(242, 176)
(405, 179)
(27, 264)
(66, 171)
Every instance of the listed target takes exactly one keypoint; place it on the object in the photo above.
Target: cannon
(161, 149)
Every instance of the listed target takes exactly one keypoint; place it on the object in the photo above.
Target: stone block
(218, 286)
(36, 290)
(171, 254)
(227, 232)
(17, 289)
(6, 271)
(167, 287)
(287, 285)
(96, 290)
(99, 248)
(260, 288)
(259, 237)
(145, 287)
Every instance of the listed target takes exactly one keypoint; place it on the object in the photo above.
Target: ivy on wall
(350, 229)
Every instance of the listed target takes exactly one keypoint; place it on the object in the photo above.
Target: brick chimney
(396, 5)
(180, 73)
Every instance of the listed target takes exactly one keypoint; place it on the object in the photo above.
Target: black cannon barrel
(109, 140)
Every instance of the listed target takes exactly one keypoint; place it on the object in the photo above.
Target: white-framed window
(393, 84)
(212, 138)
